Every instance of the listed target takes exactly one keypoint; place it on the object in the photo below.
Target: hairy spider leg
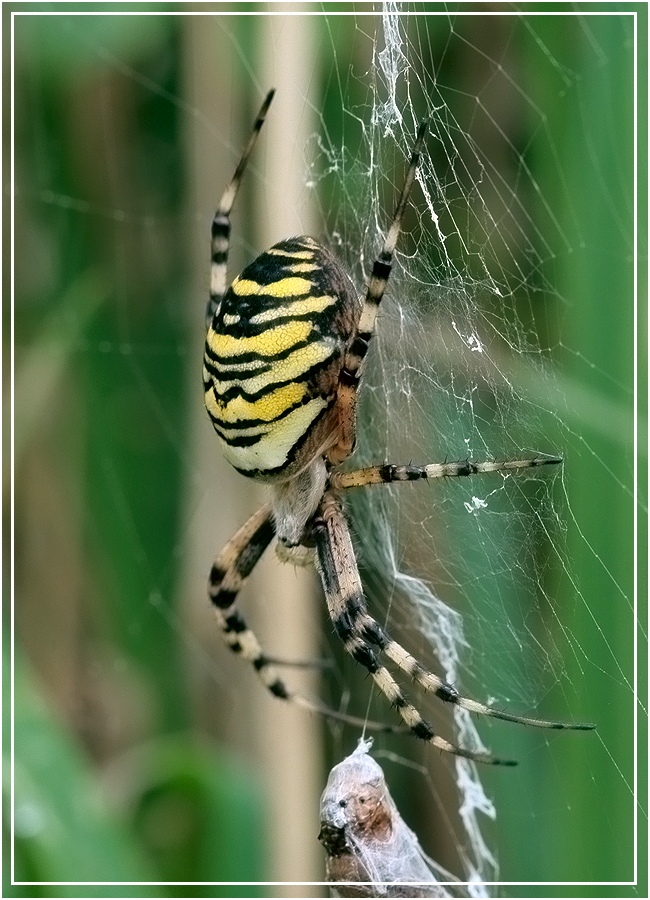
(362, 636)
(351, 371)
(221, 222)
(364, 639)
(227, 577)
(390, 474)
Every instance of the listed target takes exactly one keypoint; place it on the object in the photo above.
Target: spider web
(487, 346)
(458, 370)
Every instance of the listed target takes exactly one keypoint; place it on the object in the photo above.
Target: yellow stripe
(283, 287)
(252, 430)
(289, 369)
(297, 308)
(272, 449)
(271, 341)
(302, 267)
(295, 254)
(267, 408)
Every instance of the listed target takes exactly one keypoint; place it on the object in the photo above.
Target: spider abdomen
(272, 359)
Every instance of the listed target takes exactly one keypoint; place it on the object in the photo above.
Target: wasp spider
(283, 360)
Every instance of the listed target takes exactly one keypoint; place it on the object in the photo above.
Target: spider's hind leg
(365, 640)
(227, 576)
(362, 636)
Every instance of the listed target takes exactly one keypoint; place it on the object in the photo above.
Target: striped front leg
(349, 375)
(392, 474)
(221, 223)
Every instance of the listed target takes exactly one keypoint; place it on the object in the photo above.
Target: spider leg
(394, 651)
(221, 222)
(444, 691)
(227, 576)
(389, 474)
(350, 372)
(363, 637)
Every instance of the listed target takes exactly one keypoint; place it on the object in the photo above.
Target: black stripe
(232, 371)
(320, 536)
(222, 428)
(307, 376)
(447, 693)
(466, 468)
(247, 440)
(360, 346)
(373, 633)
(220, 226)
(400, 702)
(246, 328)
(252, 356)
(278, 688)
(381, 269)
(423, 731)
(291, 455)
(367, 657)
(224, 598)
(401, 473)
(234, 624)
(345, 623)
(347, 378)
(268, 268)
(256, 546)
(217, 575)
(244, 565)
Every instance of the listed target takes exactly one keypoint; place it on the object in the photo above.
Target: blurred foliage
(593, 206)
(99, 320)
(172, 810)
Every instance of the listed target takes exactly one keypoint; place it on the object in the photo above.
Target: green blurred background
(142, 752)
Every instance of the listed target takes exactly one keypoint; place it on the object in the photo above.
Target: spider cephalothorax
(283, 359)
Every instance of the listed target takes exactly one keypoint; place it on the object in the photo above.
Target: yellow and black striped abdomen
(272, 358)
